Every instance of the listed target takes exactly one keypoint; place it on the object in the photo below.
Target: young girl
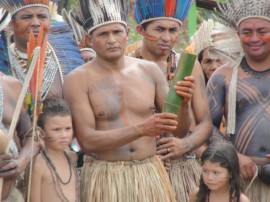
(220, 179)
(54, 176)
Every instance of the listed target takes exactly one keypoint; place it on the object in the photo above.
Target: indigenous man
(112, 99)
(160, 27)
(32, 15)
(13, 163)
(242, 93)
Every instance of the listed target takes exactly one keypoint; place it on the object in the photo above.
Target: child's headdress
(235, 11)
(13, 6)
(92, 14)
(148, 10)
(220, 37)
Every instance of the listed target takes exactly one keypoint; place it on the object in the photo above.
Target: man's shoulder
(79, 71)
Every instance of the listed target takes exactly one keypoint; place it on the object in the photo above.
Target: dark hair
(53, 107)
(225, 154)
(145, 25)
(200, 58)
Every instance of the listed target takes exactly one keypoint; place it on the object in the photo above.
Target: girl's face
(215, 177)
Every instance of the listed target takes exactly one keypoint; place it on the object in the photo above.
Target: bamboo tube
(173, 101)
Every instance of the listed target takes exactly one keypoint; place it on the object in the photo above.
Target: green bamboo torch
(187, 60)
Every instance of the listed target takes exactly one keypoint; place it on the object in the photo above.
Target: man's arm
(92, 140)
(14, 167)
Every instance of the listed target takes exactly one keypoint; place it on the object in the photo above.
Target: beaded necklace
(257, 74)
(18, 62)
(57, 179)
(171, 62)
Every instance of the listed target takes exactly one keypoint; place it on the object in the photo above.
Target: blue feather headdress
(65, 47)
(13, 6)
(92, 14)
(148, 10)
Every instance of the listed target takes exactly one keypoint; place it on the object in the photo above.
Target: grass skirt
(125, 181)
(185, 177)
(258, 191)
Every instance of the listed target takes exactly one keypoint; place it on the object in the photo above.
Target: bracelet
(138, 134)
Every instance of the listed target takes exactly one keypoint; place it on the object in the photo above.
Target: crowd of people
(97, 130)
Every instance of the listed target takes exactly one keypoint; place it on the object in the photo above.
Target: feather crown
(4, 18)
(216, 35)
(13, 6)
(92, 14)
(233, 12)
(148, 10)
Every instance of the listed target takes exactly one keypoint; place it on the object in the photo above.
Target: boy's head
(53, 107)
(56, 123)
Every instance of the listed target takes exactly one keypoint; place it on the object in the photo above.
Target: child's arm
(37, 174)
(193, 195)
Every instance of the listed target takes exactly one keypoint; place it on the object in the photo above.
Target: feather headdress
(64, 46)
(92, 14)
(218, 36)
(148, 10)
(4, 18)
(13, 6)
(234, 12)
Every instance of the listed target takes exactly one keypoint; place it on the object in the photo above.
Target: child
(220, 179)
(54, 177)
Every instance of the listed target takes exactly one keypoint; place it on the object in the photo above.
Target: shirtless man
(160, 33)
(247, 113)
(112, 99)
(10, 168)
(28, 16)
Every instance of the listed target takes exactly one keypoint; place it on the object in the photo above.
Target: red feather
(170, 7)
(37, 77)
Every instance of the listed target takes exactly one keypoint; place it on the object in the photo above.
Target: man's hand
(247, 166)
(8, 167)
(158, 124)
(185, 88)
(170, 147)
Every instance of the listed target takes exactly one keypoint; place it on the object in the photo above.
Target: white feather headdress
(92, 14)
(235, 11)
(219, 37)
(4, 18)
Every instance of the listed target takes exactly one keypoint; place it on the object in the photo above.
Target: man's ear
(88, 40)
(128, 31)
(139, 29)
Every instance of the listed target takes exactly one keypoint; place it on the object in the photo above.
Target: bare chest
(111, 97)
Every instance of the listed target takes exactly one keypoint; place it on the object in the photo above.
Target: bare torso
(252, 110)
(119, 99)
(50, 187)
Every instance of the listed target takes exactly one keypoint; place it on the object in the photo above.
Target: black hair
(200, 58)
(53, 107)
(145, 25)
(225, 154)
